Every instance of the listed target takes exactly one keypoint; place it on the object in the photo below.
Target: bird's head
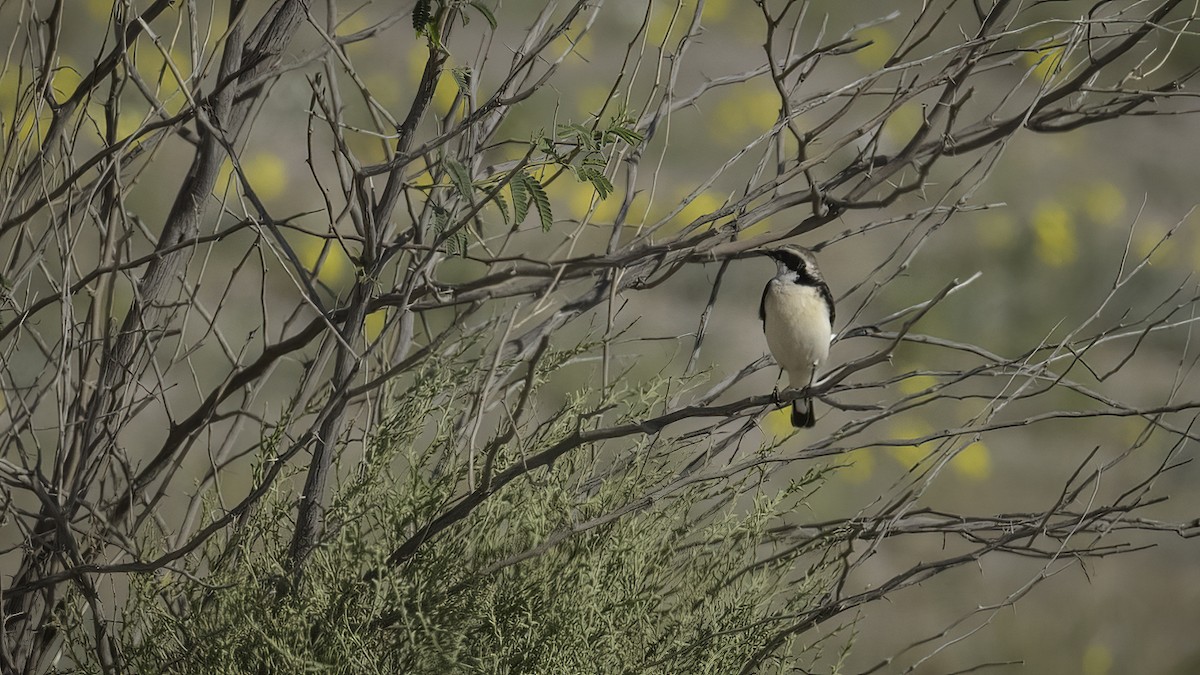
(794, 259)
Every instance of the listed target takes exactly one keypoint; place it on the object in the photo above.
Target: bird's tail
(802, 413)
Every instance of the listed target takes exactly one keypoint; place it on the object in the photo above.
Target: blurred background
(1064, 211)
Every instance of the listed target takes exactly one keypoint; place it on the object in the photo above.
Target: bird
(797, 315)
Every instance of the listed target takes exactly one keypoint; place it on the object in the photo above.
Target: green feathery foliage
(597, 564)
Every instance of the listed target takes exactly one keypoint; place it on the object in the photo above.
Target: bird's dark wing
(827, 296)
(762, 305)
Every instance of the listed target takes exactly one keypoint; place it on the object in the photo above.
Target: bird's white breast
(797, 329)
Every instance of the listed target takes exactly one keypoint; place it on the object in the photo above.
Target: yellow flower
(1055, 234)
(418, 54)
(903, 123)
(224, 178)
(32, 127)
(31, 119)
(749, 108)
(1149, 237)
(1045, 61)
(336, 265)
(666, 23)
(761, 227)
(128, 122)
(66, 78)
(154, 68)
(917, 384)
(10, 80)
(857, 465)
(715, 11)
(580, 48)
(1097, 659)
(446, 89)
(973, 462)
(445, 93)
(1196, 256)
(99, 9)
(910, 455)
(373, 324)
(882, 46)
(566, 190)
(367, 148)
(350, 25)
(266, 172)
(1104, 203)
(704, 204)
(590, 98)
(778, 423)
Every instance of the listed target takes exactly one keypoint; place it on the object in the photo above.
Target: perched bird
(797, 315)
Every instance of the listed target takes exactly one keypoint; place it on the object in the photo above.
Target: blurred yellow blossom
(66, 78)
(1149, 237)
(153, 67)
(99, 9)
(704, 204)
(1055, 234)
(882, 46)
(352, 24)
(336, 265)
(1045, 61)
(580, 47)
(973, 462)
(128, 124)
(917, 384)
(761, 227)
(418, 54)
(447, 88)
(1097, 659)
(373, 324)
(1104, 203)
(903, 123)
(667, 22)
(778, 423)
(122, 298)
(445, 93)
(607, 209)
(578, 197)
(32, 127)
(1196, 252)
(716, 11)
(11, 82)
(910, 455)
(32, 117)
(266, 172)
(590, 98)
(749, 108)
(857, 465)
(367, 148)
